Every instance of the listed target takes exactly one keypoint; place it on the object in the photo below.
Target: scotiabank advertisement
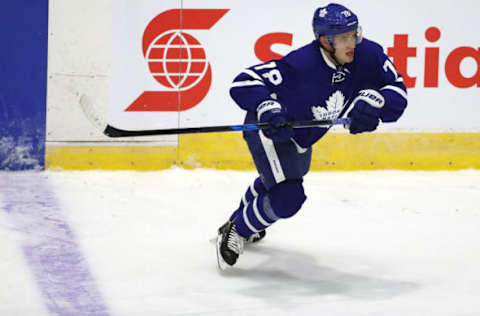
(173, 65)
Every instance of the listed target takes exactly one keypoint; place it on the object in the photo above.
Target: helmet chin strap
(332, 54)
(337, 62)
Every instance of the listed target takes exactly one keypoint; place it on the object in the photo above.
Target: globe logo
(176, 60)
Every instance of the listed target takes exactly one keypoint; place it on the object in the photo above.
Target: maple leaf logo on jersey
(335, 104)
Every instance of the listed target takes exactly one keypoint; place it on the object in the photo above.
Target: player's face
(345, 44)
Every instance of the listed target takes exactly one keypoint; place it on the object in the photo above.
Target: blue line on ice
(49, 245)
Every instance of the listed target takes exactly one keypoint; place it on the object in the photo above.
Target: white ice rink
(138, 243)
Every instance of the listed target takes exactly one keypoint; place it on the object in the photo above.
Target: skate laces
(235, 242)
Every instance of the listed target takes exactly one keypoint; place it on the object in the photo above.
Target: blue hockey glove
(366, 111)
(271, 112)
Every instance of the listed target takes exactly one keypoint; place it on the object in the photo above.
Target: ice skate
(229, 245)
(256, 237)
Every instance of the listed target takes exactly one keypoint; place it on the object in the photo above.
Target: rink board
(334, 152)
(23, 80)
(438, 56)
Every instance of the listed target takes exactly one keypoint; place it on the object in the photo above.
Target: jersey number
(274, 75)
(389, 66)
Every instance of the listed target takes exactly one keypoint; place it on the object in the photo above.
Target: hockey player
(338, 74)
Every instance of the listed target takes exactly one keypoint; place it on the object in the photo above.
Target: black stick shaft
(116, 132)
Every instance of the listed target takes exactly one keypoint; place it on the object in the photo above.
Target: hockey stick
(117, 132)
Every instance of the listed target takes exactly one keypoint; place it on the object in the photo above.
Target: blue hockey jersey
(309, 86)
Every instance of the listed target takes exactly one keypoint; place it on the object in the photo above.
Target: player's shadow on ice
(279, 275)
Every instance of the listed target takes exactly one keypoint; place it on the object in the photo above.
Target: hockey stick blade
(117, 132)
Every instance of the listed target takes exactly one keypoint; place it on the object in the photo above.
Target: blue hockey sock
(250, 217)
(282, 201)
(255, 216)
(253, 191)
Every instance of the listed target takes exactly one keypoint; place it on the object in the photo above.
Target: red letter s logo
(177, 60)
(263, 46)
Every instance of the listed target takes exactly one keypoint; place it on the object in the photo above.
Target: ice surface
(365, 243)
